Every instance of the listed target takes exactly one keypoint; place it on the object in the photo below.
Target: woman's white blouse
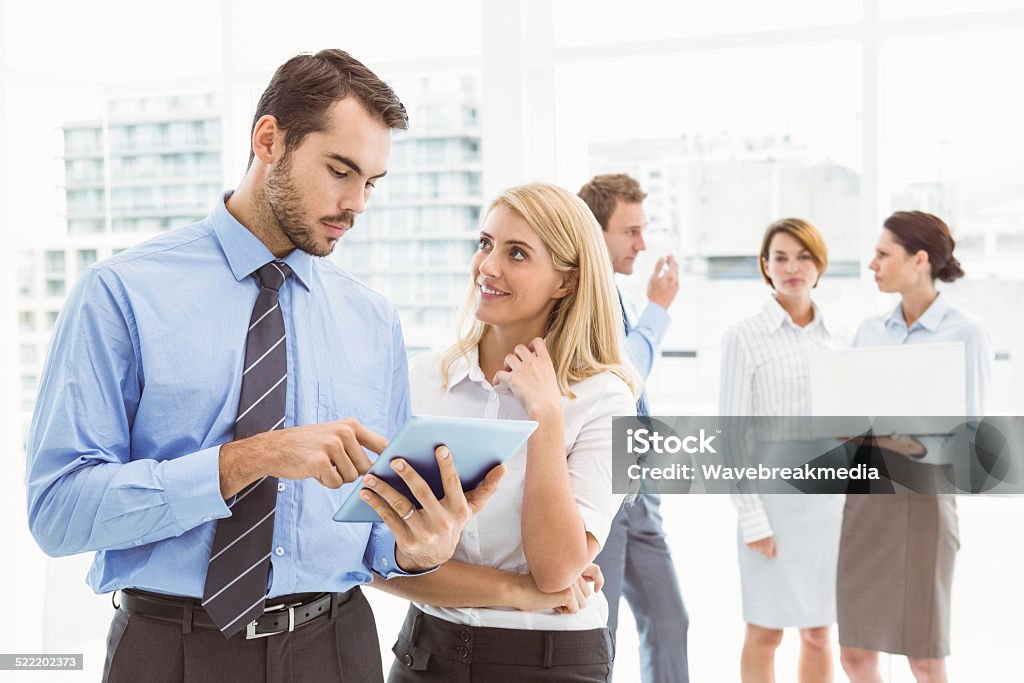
(493, 537)
(765, 372)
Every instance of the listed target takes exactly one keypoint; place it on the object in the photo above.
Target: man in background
(635, 559)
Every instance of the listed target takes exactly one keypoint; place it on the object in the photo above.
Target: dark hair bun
(950, 271)
(919, 231)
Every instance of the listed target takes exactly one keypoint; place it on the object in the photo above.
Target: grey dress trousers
(637, 564)
(340, 647)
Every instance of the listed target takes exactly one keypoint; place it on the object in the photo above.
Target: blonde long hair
(584, 334)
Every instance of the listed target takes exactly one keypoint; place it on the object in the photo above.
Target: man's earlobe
(267, 139)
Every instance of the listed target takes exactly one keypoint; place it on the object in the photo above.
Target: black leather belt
(282, 615)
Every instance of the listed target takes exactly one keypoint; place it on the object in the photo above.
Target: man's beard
(282, 204)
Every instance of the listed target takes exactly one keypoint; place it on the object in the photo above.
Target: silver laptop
(914, 389)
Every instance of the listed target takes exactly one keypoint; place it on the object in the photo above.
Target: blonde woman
(788, 544)
(545, 343)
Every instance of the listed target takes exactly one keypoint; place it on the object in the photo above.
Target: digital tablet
(476, 444)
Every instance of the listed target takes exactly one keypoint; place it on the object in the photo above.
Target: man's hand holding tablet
(418, 487)
(332, 453)
(426, 537)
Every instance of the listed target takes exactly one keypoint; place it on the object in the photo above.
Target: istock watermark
(914, 454)
(642, 441)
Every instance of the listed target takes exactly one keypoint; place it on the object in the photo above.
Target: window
(80, 226)
(84, 171)
(55, 287)
(86, 257)
(78, 141)
(84, 201)
(26, 273)
(54, 262)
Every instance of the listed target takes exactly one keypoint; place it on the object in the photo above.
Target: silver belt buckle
(250, 628)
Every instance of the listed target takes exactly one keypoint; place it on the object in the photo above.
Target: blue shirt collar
(930, 320)
(246, 253)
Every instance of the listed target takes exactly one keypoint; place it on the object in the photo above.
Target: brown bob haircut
(303, 89)
(603, 191)
(919, 231)
(804, 233)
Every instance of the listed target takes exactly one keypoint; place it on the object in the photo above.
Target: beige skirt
(895, 576)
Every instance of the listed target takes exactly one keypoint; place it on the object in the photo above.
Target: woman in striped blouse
(788, 544)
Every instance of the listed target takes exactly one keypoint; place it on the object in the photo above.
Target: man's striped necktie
(236, 577)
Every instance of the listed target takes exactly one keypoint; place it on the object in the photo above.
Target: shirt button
(279, 551)
(465, 636)
(280, 486)
(407, 660)
(463, 651)
(384, 561)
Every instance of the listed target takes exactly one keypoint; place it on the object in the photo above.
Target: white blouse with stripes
(765, 373)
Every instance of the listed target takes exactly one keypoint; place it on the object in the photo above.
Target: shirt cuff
(382, 555)
(656, 318)
(192, 488)
(598, 522)
(754, 524)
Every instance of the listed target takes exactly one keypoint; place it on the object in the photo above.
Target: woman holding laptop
(897, 551)
(787, 543)
(545, 344)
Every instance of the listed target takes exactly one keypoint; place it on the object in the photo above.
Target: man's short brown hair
(305, 87)
(603, 191)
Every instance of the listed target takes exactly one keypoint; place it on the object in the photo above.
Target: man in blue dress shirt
(635, 559)
(135, 452)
